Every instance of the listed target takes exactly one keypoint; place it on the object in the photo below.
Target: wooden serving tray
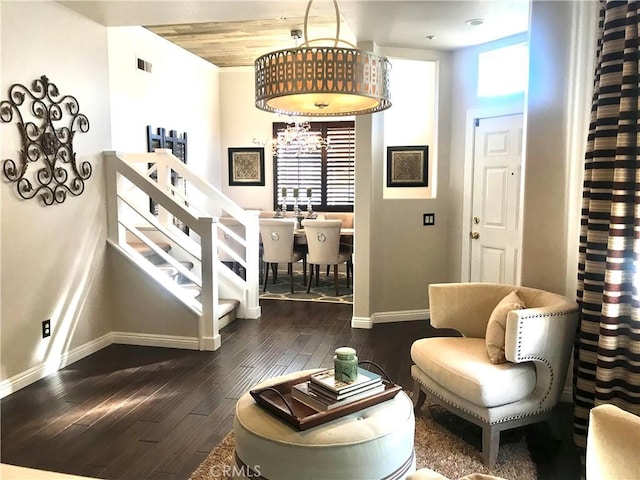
(277, 400)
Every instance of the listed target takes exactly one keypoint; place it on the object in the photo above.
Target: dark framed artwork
(246, 166)
(177, 143)
(408, 166)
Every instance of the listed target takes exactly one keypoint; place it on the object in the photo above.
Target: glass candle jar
(345, 364)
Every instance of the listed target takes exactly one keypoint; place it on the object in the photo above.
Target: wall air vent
(143, 65)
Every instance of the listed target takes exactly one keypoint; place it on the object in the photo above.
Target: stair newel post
(252, 229)
(208, 331)
(164, 174)
(114, 232)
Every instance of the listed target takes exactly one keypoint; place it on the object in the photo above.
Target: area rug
(323, 292)
(443, 442)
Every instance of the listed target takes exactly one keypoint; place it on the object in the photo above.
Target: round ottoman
(371, 444)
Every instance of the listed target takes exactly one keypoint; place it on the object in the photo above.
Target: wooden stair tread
(226, 305)
(143, 249)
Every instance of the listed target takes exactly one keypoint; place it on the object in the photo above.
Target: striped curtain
(607, 350)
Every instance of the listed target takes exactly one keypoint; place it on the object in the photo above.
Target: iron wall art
(47, 126)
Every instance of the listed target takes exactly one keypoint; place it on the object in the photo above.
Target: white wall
(558, 105)
(404, 256)
(242, 126)
(413, 123)
(180, 93)
(412, 119)
(243, 123)
(561, 42)
(52, 258)
(466, 105)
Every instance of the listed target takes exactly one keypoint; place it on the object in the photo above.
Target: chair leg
(418, 396)
(290, 270)
(274, 268)
(349, 266)
(266, 277)
(317, 275)
(335, 278)
(328, 270)
(304, 270)
(490, 445)
(310, 278)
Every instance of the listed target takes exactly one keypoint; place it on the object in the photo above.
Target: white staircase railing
(129, 188)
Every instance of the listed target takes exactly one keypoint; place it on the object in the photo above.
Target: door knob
(474, 235)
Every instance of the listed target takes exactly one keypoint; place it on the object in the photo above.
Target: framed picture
(407, 166)
(246, 166)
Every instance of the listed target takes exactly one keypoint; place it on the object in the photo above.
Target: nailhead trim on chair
(502, 420)
(532, 358)
(539, 359)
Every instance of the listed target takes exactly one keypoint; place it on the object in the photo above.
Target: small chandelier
(297, 137)
(322, 81)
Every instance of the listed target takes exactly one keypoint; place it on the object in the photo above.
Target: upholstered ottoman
(374, 443)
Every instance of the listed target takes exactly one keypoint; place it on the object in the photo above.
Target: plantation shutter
(340, 176)
(328, 172)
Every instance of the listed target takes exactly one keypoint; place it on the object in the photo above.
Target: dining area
(304, 256)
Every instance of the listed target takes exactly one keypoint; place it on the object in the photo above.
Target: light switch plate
(428, 219)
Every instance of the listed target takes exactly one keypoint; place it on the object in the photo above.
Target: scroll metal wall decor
(47, 165)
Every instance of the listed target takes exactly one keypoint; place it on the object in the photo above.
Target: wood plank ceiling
(234, 44)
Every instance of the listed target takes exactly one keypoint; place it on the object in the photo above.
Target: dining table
(344, 232)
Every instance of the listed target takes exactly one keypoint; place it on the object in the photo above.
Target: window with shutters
(327, 172)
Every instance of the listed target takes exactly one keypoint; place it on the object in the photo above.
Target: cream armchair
(613, 444)
(458, 373)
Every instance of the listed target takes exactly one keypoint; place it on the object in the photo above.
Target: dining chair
(278, 247)
(346, 241)
(323, 242)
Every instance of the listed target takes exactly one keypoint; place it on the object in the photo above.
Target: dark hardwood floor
(130, 412)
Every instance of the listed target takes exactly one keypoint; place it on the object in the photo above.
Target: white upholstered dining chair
(323, 242)
(508, 369)
(278, 247)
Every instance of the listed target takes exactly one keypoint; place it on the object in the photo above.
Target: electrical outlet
(46, 328)
(428, 219)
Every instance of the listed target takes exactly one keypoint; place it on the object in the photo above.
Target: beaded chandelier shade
(322, 81)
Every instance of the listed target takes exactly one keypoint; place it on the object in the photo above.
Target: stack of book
(322, 392)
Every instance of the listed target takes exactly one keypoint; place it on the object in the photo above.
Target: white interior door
(495, 223)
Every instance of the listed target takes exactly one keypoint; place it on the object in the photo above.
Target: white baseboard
(253, 313)
(401, 316)
(153, 340)
(389, 317)
(361, 322)
(211, 343)
(52, 365)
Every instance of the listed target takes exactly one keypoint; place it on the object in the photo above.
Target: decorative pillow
(494, 337)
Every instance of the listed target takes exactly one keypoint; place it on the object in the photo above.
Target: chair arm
(544, 336)
(542, 332)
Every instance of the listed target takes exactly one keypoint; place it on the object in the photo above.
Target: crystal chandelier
(322, 81)
(297, 138)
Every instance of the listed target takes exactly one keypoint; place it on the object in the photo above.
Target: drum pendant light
(322, 81)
